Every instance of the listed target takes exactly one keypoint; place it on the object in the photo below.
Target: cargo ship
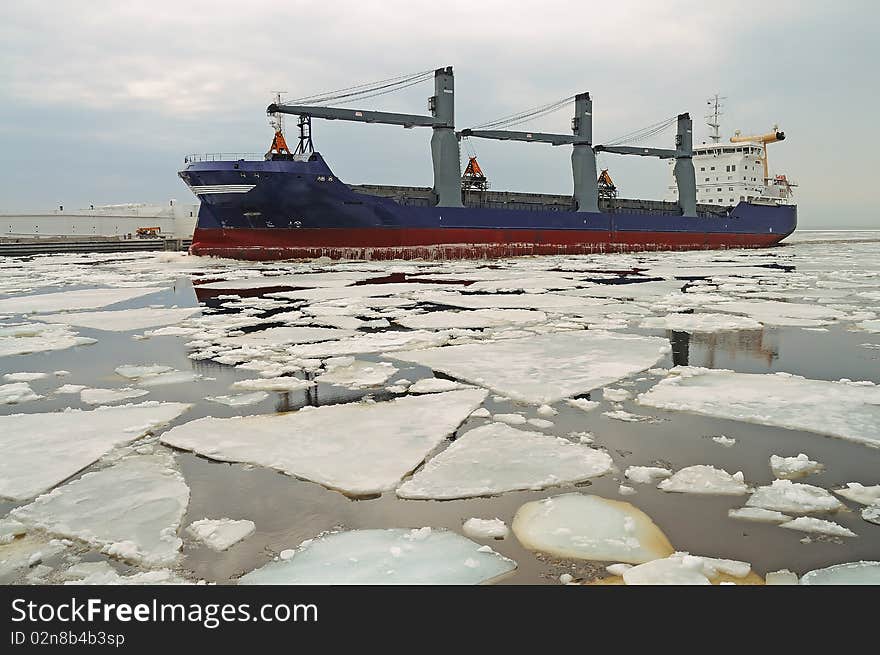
(290, 205)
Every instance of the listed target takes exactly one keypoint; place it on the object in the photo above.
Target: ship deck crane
(444, 144)
(770, 137)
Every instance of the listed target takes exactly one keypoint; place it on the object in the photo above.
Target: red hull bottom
(452, 243)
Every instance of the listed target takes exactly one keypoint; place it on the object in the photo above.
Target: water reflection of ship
(703, 348)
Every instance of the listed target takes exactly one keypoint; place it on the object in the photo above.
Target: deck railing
(223, 156)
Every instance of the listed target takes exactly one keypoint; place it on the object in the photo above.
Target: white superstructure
(729, 173)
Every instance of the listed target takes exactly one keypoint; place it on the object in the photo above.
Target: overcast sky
(100, 100)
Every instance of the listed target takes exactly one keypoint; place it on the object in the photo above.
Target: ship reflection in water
(721, 349)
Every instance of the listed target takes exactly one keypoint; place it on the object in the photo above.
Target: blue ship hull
(279, 209)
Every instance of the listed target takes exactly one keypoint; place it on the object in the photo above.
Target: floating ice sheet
(72, 300)
(396, 556)
(590, 527)
(707, 480)
(17, 392)
(862, 573)
(132, 510)
(123, 320)
(545, 368)
(646, 474)
(701, 322)
(435, 385)
(790, 468)
(774, 312)
(794, 497)
(485, 528)
(106, 396)
(330, 444)
(24, 376)
(849, 410)
(478, 318)
(41, 450)
(101, 573)
(27, 338)
(818, 526)
(305, 280)
(348, 372)
(758, 515)
(278, 336)
(859, 493)
(496, 458)
(280, 384)
(240, 400)
(221, 534)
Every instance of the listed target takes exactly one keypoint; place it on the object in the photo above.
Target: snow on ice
(862, 573)
(702, 479)
(64, 301)
(330, 444)
(545, 368)
(221, 534)
(848, 410)
(485, 528)
(395, 556)
(41, 450)
(17, 392)
(496, 458)
(818, 526)
(590, 527)
(132, 510)
(790, 468)
(106, 396)
(25, 338)
(356, 374)
(794, 497)
(123, 320)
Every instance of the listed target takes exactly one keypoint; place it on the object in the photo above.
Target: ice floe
(101, 573)
(781, 577)
(529, 369)
(18, 555)
(395, 556)
(790, 468)
(590, 527)
(859, 493)
(701, 323)
(330, 444)
(348, 372)
(496, 458)
(774, 312)
(702, 479)
(17, 392)
(278, 336)
(485, 528)
(758, 515)
(794, 497)
(684, 569)
(25, 338)
(848, 410)
(281, 384)
(72, 300)
(24, 376)
(435, 385)
(818, 526)
(131, 510)
(478, 318)
(106, 396)
(861, 573)
(240, 400)
(221, 534)
(41, 450)
(646, 474)
(122, 320)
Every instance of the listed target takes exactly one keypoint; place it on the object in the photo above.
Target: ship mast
(715, 107)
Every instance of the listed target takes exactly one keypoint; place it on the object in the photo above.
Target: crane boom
(770, 137)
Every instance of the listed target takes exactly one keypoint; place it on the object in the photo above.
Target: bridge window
(712, 169)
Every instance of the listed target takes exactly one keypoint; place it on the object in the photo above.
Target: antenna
(715, 106)
(276, 120)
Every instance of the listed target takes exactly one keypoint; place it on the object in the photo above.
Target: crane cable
(525, 115)
(367, 90)
(643, 133)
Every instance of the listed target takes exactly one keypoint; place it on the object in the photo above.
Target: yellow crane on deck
(770, 137)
